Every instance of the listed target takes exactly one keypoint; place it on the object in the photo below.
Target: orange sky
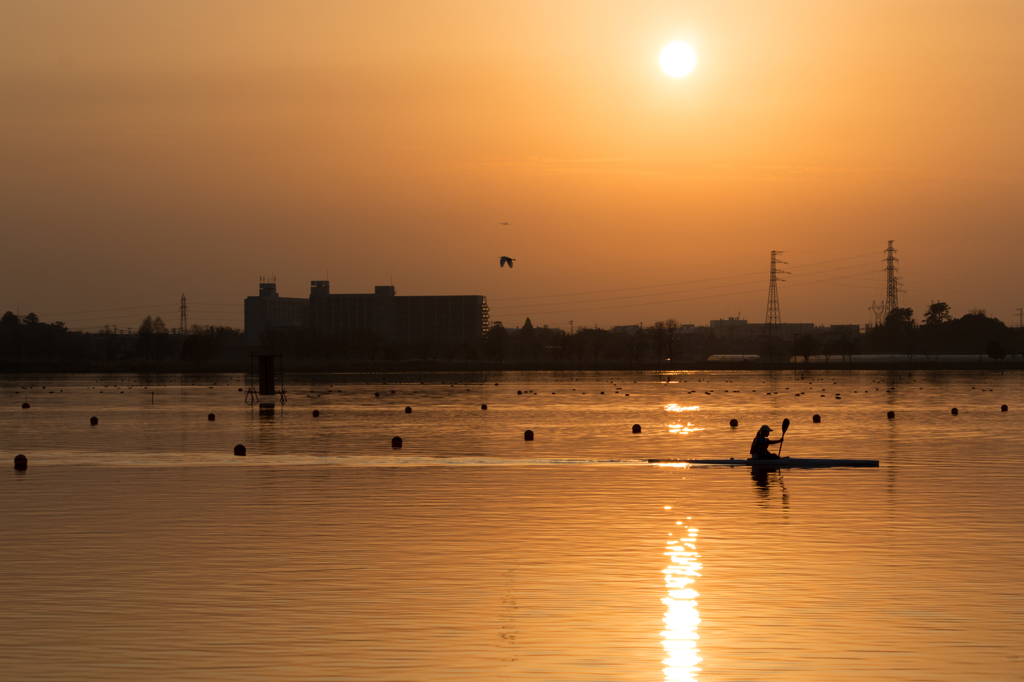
(150, 149)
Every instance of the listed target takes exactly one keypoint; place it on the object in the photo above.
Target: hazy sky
(153, 148)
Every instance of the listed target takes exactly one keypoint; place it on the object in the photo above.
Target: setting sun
(678, 59)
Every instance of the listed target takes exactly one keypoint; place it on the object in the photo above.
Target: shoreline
(436, 369)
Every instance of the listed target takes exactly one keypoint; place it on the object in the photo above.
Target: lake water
(141, 548)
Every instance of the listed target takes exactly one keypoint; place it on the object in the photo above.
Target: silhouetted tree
(995, 350)
(805, 346)
(497, 342)
(847, 346)
(663, 337)
(937, 314)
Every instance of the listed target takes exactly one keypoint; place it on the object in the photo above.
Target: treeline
(939, 333)
(30, 345)
(26, 344)
(664, 342)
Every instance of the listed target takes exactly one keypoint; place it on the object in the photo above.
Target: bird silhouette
(506, 260)
(506, 223)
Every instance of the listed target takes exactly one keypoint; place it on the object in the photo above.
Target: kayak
(784, 463)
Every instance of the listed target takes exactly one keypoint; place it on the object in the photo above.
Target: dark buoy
(376, 395)
(816, 419)
(955, 411)
(408, 410)
(20, 462)
(211, 416)
(483, 407)
(316, 413)
(528, 435)
(733, 423)
(890, 414)
(636, 428)
(519, 392)
(396, 442)
(94, 421)
(24, 406)
(239, 450)
(1004, 408)
(239, 390)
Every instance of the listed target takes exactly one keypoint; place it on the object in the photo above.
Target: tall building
(405, 320)
(271, 311)
(402, 319)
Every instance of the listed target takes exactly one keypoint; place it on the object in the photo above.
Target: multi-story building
(388, 317)
(270, 311)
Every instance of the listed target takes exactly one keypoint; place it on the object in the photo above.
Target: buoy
(211, 416)
(316, 413)
(636, 428)
(20, 462)
(816, 419)
(239, 450)
(376, 395)
(408, 410)
(890, 414)
(955, 411)
(528, 435)
(392, 391)
(733, 423)
(396, 442)
(1004, 408)
(24, 406)
(519, 392)
(602, 392)
(94, 421)
(483, 407)
(239, 390)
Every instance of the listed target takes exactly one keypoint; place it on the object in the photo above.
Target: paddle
(785, 427)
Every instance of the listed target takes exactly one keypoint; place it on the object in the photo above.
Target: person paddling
(759, 448)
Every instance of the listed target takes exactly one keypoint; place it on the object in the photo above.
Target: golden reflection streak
(679, 428)
(681, 618)
(672, 407)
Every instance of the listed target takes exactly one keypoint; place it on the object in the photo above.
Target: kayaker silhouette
(759, 448)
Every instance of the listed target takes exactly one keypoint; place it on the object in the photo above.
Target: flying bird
(504, 260)
(506, 223)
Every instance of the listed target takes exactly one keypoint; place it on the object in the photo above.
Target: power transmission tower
(773, 318)
(877, 312)
(1020, 317)
(892, 282)
(183, 325)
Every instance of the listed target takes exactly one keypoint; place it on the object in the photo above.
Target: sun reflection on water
(681, 618)
(683, 429)
(681, 408)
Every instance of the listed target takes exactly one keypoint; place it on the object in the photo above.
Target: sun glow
(678, 59)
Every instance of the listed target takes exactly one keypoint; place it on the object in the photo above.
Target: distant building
(388, 317)
(731, 328)
(271, 311)
(840, 330)
(736, 329)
